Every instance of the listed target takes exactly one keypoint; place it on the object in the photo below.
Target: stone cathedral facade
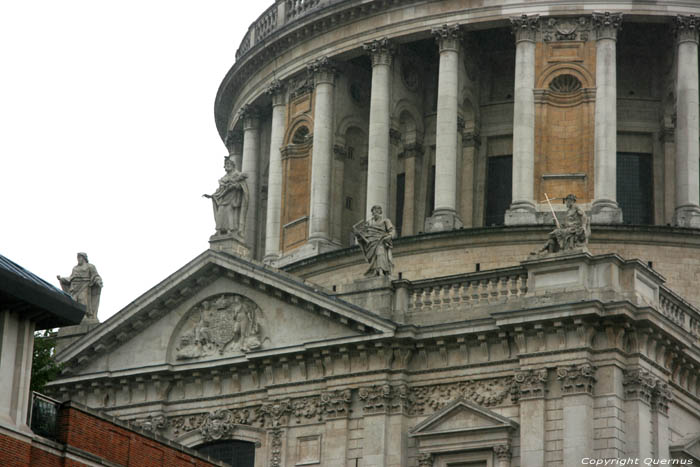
(467, 122)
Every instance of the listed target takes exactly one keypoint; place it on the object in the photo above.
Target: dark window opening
(499, 189)
(348, 203)
(300, 135)
(635, 187)
(235, 452)
(400, 193)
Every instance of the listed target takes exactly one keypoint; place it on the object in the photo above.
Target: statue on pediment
(230, 200)
(85, 286)
(223, 325)
(573, 233)
(374, 236)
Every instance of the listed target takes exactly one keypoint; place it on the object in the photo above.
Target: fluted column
(445, 216)
(522, 207)
(687, 212)
(379, 168)
(605, 209)
(322, 153)
(274, 184)
(250, 166)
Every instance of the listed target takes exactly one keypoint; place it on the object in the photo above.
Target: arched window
(235, 452)
(300, 135)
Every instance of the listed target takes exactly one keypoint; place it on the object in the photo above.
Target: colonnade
(523, 209)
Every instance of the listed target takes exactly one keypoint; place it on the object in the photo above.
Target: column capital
(577, 379)
(471, 138)
(250, 115)
(525, 27)
(425, 460)
(276, 91)
(686, 28)
(448, 36)
(530, 384)
(234, 141)
(340, 152)
(502, 452)
(607, 24)
(380, 50)
(323, 70)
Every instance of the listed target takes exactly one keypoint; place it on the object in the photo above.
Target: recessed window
(565, 84)
(300, 135)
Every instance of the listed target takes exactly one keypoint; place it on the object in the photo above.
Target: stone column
(16, 344)
(234, 143)
(445, 215)
(661, 397)
(322, 153)
(605, 209)
(577, 384)
(250, 166)
(522, 207)
(530, 389)
(274, 184)
(470, 147)
(687, 213)
(379, 169)
(638, 386)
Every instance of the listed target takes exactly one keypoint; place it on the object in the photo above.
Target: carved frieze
(185, 423)
(220, 325)
(487, 393)
(275, 413)
(153, 424)
(566, 29)
(376, 398)
(529, 384)
(577, 379)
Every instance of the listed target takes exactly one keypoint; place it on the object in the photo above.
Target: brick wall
(88, 435)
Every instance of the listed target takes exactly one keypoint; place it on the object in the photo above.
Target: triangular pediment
(687, 447)
(220, 306)
(460, 416)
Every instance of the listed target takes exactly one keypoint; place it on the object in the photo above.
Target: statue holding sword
(573, 233)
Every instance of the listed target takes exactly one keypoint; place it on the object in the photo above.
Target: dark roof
(28, 294)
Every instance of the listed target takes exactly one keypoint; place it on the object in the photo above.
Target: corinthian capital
(276, 91)
(525, 27)
(381, 51)
(607, 24)
(250, 115)
(447, 37)
(686, 28)
(323, 70)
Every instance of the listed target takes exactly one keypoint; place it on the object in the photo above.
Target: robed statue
(85, 286)
(375, 239)
(573, 233)
(230, 201)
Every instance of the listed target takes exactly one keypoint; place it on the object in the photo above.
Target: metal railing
(43, 416)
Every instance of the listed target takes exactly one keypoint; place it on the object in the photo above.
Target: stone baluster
(322, 153)
(274, 184)
(445, 216)
(379, 161)
(522, 207)
(250, 166)
(605, 209)
(687, 213)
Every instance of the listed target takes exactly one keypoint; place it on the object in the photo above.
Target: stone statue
(375, 239)
(230, 201)
(84, 285)
(573, 233)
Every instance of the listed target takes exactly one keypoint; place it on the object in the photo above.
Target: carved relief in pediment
(220, 325)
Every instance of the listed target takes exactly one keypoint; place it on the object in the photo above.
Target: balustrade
(680, 312)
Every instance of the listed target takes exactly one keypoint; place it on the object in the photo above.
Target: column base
(442, 220)
(521, 213)
(309, 249)
(231, 243)
(687, 216)
(605, 211)
(270, 258)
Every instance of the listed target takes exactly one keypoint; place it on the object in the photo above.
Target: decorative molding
(566, 29)
(276, 92)
(639, 384)
(529, 384)
(381, 51)
(607, 25)
(425, 460)
(335, 404)
(661, 397)
(376, 398)
(525, 27)
(275, 413)
(487, 393)
(153, 424)
(250, 115)
(686, 28)
(577, 379)
(275, 447)
(502, 452)
(448, 37)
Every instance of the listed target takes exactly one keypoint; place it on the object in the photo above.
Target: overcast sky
(107, 136)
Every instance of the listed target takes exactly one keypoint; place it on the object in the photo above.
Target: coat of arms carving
(222, 324)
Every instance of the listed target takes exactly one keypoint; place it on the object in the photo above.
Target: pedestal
(442, 220)
(375, 294)
(69, 334)
(232, 244)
